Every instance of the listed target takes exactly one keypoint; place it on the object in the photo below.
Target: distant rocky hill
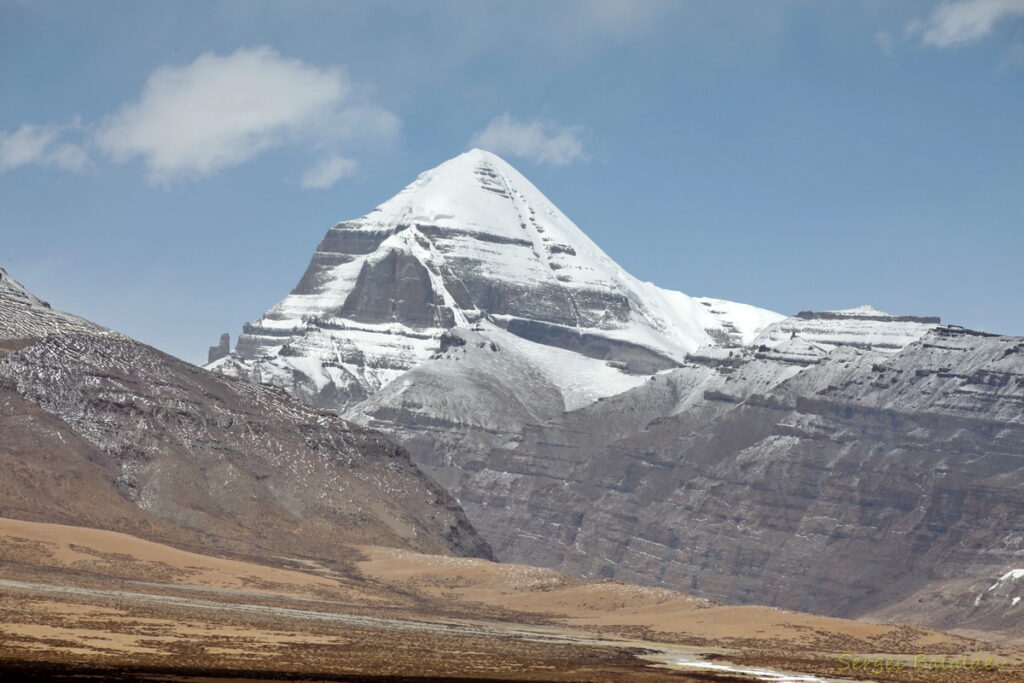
(100, 429)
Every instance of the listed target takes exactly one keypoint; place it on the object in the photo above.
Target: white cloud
(362, 122)
(965, 21)
(221, 111)
(32, 144)
(885, 41)
(328, 171)
(620, 19)
(1014, 58)
(539, 141)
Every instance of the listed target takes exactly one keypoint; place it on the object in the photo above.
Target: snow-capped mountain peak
(471, 242)
(481, 193)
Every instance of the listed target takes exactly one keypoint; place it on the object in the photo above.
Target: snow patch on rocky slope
(863, 327)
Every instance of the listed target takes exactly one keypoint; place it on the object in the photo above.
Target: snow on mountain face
(24, 316)
(14, 291)
(862, 327)
(472, 244)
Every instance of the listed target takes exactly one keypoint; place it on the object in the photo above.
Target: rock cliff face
(839, 462)
(221, 349)
(103, 429)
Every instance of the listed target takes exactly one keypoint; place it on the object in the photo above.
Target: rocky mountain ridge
(863, 327)
(899, 473)
(891, 471)
(99, 428)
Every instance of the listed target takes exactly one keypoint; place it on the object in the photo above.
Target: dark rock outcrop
(222, 348)
(396, 288)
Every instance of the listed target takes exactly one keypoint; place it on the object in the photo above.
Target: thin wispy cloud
(328, 171)
(42, 146)
(539, 141)
(966, 21)
(621, 19)
(885, 41)
(1014, 58)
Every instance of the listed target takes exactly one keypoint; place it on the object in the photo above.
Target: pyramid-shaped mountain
(472, 244)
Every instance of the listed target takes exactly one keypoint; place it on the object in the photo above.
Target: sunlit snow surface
(526, 240)
(864, 327)
(476, 217)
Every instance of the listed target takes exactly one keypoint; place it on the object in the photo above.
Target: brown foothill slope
(77, 600)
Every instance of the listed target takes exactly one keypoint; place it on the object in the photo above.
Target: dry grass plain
(85, 604)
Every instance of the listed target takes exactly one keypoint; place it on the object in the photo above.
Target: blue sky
(794, 154)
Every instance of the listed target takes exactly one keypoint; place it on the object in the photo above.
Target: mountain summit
(472, 244)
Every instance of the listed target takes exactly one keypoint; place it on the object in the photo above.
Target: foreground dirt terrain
(79, 602)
